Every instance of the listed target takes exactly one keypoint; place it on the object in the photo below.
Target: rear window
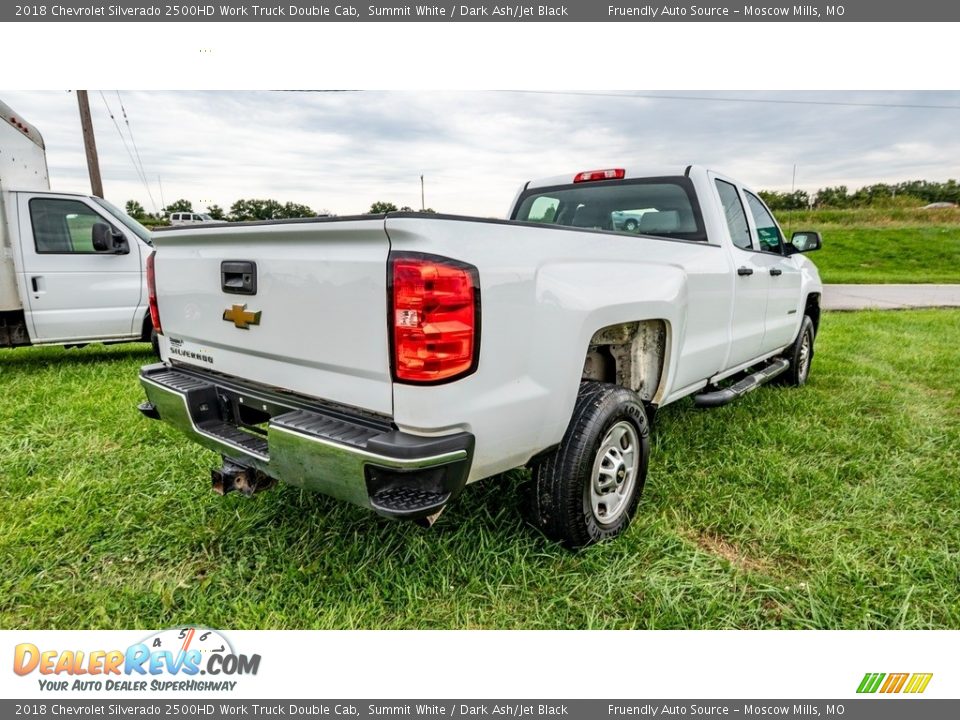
(664, 207)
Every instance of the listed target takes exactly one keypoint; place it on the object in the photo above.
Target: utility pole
(90, 144)
(162, 203)
(423, 204)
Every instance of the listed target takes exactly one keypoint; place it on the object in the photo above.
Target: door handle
(36, 283)
(744, 271)
(776, 271)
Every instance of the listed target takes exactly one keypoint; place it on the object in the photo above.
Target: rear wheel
(588, 489)
(800, 355)
(631, 225)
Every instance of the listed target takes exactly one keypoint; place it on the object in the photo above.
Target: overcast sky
(342, 151)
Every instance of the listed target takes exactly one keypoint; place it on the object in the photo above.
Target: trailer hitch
(242, 478)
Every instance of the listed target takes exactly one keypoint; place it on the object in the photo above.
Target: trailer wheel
(588, 489)
(800, 355)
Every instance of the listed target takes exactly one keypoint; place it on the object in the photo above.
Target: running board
(716, 398)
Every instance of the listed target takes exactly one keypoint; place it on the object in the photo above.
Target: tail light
(152, 294)
(591, 175)
(434, 318)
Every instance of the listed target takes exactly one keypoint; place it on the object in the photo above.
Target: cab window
(63, 226)
(661, 207)
(735, 215)
(767, 234)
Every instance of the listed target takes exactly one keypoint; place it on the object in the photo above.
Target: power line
(124, 141)
(696, 98)
(143, 172)
(706, 98)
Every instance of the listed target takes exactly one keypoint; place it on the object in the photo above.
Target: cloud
(343, 151)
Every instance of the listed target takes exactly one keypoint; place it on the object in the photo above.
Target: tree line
(919, 191)
(250, 209)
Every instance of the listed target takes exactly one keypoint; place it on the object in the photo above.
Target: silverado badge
(241, 317)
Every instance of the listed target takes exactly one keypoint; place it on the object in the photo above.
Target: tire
(800, 355)
(155, 343)
(587, 490)
(631, 225)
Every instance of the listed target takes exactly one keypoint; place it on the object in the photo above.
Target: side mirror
(120, 245)
(102, 237)
(806, 241)
(106, 240)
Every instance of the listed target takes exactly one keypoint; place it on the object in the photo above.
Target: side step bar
(716, 398)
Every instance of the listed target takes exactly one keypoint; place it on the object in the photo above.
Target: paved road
(889, 297)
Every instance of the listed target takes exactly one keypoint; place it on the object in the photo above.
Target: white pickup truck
(72, 266)
(390, 360)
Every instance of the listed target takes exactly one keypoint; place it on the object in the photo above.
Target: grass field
(832, 506)
(883, 245)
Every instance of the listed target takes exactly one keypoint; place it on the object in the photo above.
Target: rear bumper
(357, 458)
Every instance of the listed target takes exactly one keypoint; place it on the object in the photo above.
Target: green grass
(928, 254)
(832, 506)
(883, 245)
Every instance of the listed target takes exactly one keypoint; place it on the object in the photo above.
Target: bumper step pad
(328, 428)
(235, 436)
(408, 501)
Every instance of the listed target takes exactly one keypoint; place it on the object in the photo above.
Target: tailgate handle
(238, 277)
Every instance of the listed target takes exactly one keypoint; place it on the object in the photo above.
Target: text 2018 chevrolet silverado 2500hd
(72, 266)
(390, 360)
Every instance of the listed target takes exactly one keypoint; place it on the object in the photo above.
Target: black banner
(481, 11)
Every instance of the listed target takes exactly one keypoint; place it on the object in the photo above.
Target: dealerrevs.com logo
(172, 659)
(890, 683)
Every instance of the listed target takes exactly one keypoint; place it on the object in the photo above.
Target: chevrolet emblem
(241, 317)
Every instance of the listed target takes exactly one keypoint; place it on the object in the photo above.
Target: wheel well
(13, 329)
(630, 355)
(812, 309)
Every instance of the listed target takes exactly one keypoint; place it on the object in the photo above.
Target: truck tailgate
(315, 323)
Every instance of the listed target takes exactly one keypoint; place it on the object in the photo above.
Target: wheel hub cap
(804, 355)
(614, 473)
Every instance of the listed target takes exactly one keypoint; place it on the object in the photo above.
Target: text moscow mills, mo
(652, 12)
